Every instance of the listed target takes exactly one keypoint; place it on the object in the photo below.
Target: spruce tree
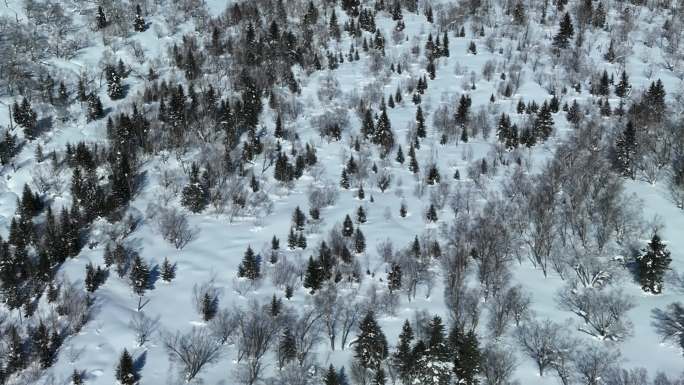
(565, 32)
(431, 214)
(359, 241)
(168, 270)
(330, 376)
(420, 123)
(402, 359)
(194, 196)
(626, 150)
(140, 276)
(543, 124)
(125, 370)
(139, 22)
(287, 348)
(314, 275)
(76, 378)
(347, 227)
(370, 349)
(250, 267)
(653, 264)
(623, 87)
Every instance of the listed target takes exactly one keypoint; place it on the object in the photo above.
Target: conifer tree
(347, 227)
(287, 348)
(431, 214)
(298, 219)
(115, 89)
(420, 123)
(623, 87)
(314, 275)
(139, 22)
(653, 264)
(194, 196)
(330, 376)
(208, 306)
(383, 134)
(360, 215)
(466, 356)
(76, 378)
(168, 270)
(565, 32)
(626, 150)
(101, 18)
(394, 278)
(543, 124)
(371, 345)
(359, 241)
(250, 267)
(95, 110)
(140, 276)
(125, 370)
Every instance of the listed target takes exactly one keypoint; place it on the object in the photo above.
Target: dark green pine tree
(379, 378)
(298, 219)
(655, 100)
(314, 275)
(101, 18)
(139, 276)
(359, 241)
(76, 378)
(402, 359)
(347, 226)
(208, 306)
(95, 109)
(279, 131)
(115, 89)
(383, 134)
(330, 376)
(250, 266)
(394, 278)
(431, 214)
(653, 264)
(400, 156)
(168, 270)
(139, 21)
(604, 84)
(125, 370)
(287, 348)
(623, 87)
(370, 348)
(420, 123)
(42, 346)
(15, 354)
(625, 151)
(466, 356)
(543, 124)
(565, 32)
(194, 196)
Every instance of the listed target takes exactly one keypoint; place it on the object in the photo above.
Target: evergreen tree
(125, 370)
(626, 150)
(298, 219)
(15, 354)
(101, 18)
(371, 345)
(168, 270)
(565, 32)
(95, 110)
(347, 227)
(314, 275)
(653, 264)
(139, 22)
(140, 276)
(250, 267)
(208, 306)
(379, 378)
(420, 123)
(115, 89)
(431, 214)
(383, 134)
(402, 359)
(359, 241)
(330, 376)
(623, 87)
(466, 356)
(543, 124)
(287, 348)
(194, 196)
(394, 278)
(76, 378)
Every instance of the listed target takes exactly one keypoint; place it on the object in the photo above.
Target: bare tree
(669, 323)
(537, 339)
(256, 331)
(594, 362)
(143, 326)
(175, 228)
(349, 316)
(498, 365)
(603, 311)
(329, 308)
(223, 325)
(194, 350)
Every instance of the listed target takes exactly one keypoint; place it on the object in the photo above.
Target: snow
(220, 243)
